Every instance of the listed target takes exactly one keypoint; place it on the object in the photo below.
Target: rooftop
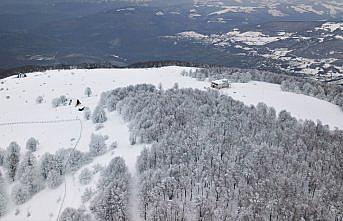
(221, 81)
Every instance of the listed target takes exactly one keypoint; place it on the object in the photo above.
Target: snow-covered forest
(213, 158)
(158, 145)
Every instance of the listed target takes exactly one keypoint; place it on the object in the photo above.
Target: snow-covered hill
(65, 127)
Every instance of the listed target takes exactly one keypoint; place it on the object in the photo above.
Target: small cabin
(21, 75)
(222, 83)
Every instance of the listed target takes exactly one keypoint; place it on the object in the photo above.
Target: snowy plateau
(21, 117)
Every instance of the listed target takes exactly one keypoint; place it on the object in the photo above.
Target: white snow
(21, 107)
(276, 12)
(194, 15)
(252, 38)
(302, 8)
(125, 9)
(278, 53)
(331, 26)
(255, 37)
(236, 9)
(192, 35)
(333, 9)
(160, 13)
(301, 106)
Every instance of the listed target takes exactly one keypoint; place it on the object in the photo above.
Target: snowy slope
(58, 128)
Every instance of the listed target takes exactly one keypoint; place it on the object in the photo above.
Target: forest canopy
(214, 158)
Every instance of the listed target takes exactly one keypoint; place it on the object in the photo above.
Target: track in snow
(65, 181)
(37, 122)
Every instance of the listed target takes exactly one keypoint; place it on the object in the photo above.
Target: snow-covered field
(58, 128)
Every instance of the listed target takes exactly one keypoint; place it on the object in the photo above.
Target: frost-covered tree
(63, 99)
(3, 196)
(87, 113)
(97, 168)
(111, 202)
(99, 115)
(70, 214)
(39, 100)
(116, 169)
(87, 194)
(85, 176)
(71, 159)
(217, 159)
(59, 101)
(97, 145)
(56, 102)
(28, 174)
(54, 179)
(47, 163)
(114, 145)
(29, 160)
(88, 91)
(3, 204)
(11, 160)
(2, 156)
(132, 139)
(176, 86)
(52, 167)
(31, 179)
(20, 193)
(32, 144)
(99, 127)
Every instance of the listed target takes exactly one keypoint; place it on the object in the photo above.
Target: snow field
(21, 107)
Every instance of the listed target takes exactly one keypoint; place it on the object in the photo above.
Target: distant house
(222, 83)
(21, 75)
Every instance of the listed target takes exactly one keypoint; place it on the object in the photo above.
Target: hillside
(64, 126)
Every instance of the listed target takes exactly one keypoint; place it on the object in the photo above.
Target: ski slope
(60, 127)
